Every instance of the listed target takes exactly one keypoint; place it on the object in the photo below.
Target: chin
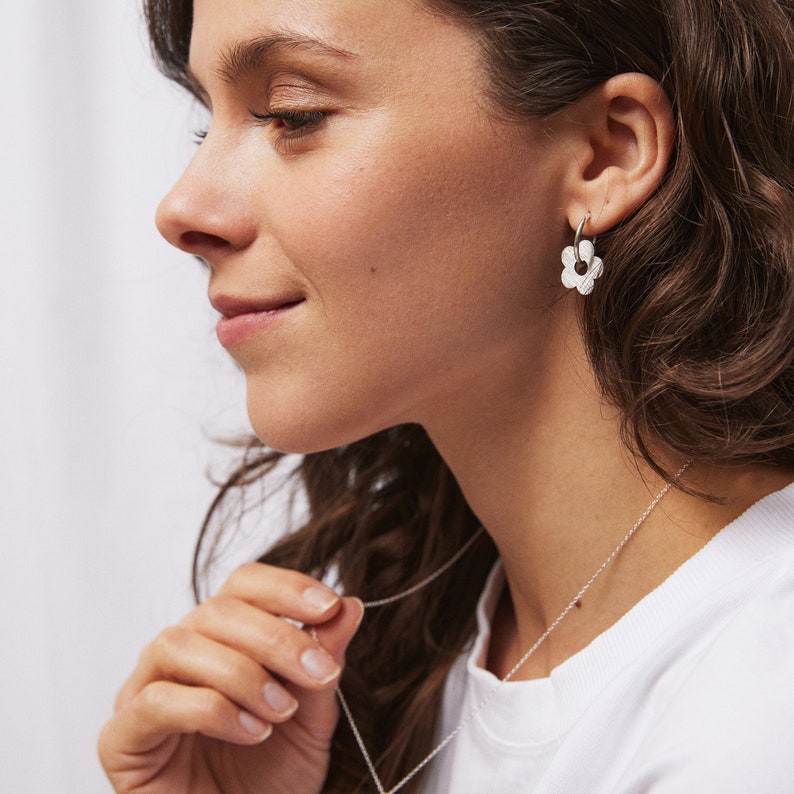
(300, 415)
(302, 432)
(292, 441)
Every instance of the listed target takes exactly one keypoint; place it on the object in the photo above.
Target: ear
(622, 137)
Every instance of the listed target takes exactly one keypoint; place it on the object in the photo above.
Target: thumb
(319, 712)
(335, 634)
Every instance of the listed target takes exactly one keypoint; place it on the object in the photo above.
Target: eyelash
(297, 123)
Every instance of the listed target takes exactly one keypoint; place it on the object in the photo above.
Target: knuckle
(217, 610)
(167, 648)
(240, 577)
(153, 698)
(173, 641)
(210, 706)
(165, 705)
(281, 635)
(121, 700)
(233, 667)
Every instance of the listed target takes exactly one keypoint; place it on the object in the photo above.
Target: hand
(235, 699)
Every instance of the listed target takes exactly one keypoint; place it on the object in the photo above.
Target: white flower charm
(583, 282)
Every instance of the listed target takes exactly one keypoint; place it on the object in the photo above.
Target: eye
(199, 136)
(291, 123)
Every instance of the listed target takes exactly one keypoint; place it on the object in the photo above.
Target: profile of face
(380, 241)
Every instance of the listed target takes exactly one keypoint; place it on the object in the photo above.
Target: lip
(242, 318)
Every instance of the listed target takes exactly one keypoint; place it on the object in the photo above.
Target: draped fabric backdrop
(112, 381)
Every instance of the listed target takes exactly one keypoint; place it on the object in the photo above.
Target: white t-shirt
(691, 692)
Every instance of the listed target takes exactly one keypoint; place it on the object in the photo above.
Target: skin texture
(403, 220)
(412, 241)
(207, 692)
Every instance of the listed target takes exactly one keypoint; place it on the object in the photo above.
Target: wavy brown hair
(690, 333)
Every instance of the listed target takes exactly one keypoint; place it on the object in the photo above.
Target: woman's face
(379, 241)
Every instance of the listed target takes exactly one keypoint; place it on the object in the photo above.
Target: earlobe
(624, 138)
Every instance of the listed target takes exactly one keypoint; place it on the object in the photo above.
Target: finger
(335, 634)
(283, 592)
(164, 710)
(273, 642)
(318, 711)
(195, 660)
(239, 657)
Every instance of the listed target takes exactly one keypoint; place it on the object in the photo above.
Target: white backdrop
(111, 380)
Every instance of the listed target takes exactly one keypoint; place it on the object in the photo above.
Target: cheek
(413, 215)
(417, 260)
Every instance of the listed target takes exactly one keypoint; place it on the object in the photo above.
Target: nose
(207, 212)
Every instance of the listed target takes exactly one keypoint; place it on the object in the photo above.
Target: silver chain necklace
(516, 667)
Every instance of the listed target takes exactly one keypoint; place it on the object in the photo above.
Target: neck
(546, 473)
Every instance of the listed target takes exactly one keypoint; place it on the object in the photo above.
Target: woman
(382, 198)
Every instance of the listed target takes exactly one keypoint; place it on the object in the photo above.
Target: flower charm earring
(582, 266)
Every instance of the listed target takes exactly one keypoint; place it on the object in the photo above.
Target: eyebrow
(245, 57)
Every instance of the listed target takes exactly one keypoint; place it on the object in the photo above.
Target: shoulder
(729, 727)
(728, 722)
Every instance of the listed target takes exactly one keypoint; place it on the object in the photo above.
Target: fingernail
(361, 613)
(319, 665)
(319, 598)
(279, 699)
(255, 726)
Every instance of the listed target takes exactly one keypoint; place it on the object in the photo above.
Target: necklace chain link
(516, 667)
(382, 602)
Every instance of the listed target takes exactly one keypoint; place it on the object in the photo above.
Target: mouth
(230, 307)
(242, 318)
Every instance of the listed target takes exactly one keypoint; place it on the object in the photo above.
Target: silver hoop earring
(582, 266)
